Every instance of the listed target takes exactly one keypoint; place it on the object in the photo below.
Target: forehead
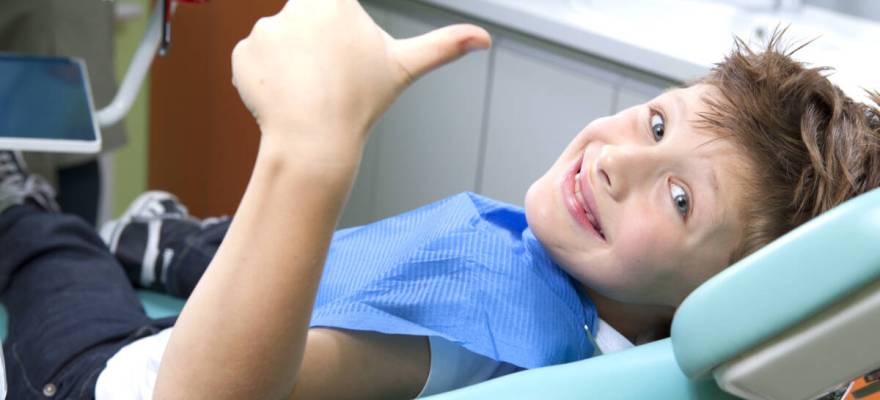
(690, 101)
(694, 141)
(716, 164)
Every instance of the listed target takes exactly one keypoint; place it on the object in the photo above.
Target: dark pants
(70, 304)
(79, 190)
(194, 250)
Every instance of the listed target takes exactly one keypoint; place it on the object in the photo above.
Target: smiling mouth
(580, 201)
(586, 209)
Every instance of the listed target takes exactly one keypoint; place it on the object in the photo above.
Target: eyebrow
(716, 195)
(713, 180)
(715, 192)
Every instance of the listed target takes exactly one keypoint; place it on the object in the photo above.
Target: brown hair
(811, 147)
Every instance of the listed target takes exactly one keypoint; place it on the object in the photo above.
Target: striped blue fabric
(467, 269)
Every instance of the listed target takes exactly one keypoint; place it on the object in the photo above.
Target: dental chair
(791, 321)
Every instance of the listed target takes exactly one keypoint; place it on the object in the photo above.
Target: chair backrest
(776, 291)
(811, 359)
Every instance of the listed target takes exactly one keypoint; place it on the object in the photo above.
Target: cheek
(537, 199)
(647, 244)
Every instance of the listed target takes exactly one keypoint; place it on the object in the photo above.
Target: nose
(620, 169)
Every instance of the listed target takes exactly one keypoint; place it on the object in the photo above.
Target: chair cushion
(779, 286)
(158, 305)
(642, 372)
(831, 347)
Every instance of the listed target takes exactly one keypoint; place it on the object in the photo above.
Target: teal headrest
(779, 286)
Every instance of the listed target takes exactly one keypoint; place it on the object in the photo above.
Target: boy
(640, 208)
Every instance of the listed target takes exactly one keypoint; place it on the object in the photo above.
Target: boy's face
(643, 206)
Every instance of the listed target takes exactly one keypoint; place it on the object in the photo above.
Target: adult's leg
(69, 302)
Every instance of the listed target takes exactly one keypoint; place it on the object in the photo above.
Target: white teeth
(580, 198)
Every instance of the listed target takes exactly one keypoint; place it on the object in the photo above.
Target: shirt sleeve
(454, 367)
(609, 340)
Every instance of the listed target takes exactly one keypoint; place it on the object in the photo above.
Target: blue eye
(658, 126)
(680, 200)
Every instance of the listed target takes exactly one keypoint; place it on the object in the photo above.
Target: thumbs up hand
(321, 72)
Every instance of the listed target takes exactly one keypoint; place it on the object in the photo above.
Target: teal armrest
(159, 305)
(779, 286)
(643, 372)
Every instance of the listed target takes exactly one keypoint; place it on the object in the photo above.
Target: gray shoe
(141, 237)
(150, 206)
(17, 186)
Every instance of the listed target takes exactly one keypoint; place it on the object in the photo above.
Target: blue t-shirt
(467, 269)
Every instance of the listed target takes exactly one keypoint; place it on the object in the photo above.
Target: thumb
(421, 54)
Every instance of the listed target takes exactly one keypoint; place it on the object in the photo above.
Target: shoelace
(10, 172)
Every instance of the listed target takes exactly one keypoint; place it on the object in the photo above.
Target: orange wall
(203, 141)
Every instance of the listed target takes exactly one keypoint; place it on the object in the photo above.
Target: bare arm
(315, 76)
(362, 365)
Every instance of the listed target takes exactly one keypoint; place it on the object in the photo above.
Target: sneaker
(17, 186)
(144, 238)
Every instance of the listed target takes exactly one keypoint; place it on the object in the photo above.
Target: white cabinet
(426, 147)
(429, 139)
(633, 91)
(540, 99)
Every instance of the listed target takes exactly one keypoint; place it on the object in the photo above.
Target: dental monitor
(46, 105)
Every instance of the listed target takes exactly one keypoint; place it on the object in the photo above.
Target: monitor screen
(44, 98)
